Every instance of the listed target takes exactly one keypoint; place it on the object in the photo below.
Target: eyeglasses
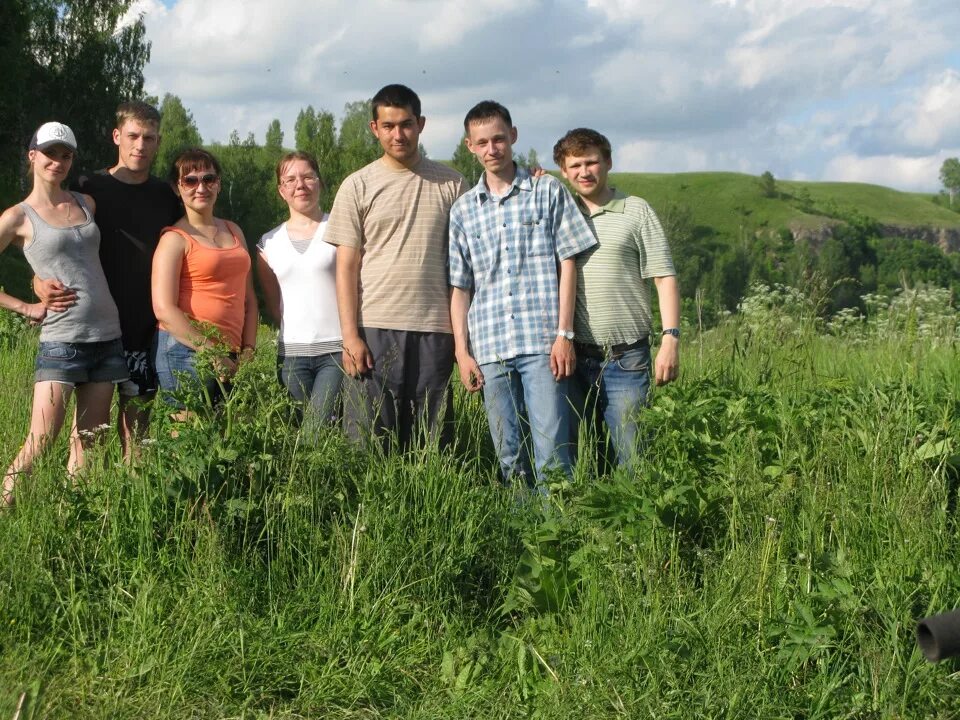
(292, 180)
(193, 181)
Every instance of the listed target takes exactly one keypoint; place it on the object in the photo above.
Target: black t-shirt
(130, 218)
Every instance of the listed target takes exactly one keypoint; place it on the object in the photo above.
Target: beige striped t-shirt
(613, 297)
(399, 219)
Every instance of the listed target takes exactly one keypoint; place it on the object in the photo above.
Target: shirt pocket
(533, 235)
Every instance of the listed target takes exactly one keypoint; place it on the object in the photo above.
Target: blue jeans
(177, 372)
(613, 388)
(525, 405)
(313, 381)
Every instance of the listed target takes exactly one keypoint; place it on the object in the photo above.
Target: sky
(859, 91)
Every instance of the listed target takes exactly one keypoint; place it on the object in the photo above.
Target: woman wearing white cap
(80, 347)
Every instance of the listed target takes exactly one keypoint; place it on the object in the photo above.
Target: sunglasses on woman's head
(193, 181)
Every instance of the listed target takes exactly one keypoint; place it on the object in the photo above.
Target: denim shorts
(79, 363)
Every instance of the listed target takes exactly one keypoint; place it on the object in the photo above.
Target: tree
(178, 131)
(305, 129)
(950, 176)
(274, 139)
(66, 60)
(316, 133)
(466, 163)
(248, 188)
(768, 185)
(527, 161)
(357, 146)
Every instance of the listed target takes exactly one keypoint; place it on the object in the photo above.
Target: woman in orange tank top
(202, 285)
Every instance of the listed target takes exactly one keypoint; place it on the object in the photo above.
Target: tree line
(71, 60)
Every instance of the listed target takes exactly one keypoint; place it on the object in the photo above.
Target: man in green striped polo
(613, 317)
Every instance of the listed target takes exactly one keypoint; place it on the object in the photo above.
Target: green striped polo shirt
(613, 299)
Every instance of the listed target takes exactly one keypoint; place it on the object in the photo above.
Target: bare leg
(93, 411)
(133, 422)
(46, 419)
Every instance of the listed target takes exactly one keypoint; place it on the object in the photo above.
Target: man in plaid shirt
(513, 239)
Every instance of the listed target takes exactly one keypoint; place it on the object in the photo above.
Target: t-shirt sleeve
(345, 226)
(571, 232)
(175, 209)
(459, 267)
(655, 257)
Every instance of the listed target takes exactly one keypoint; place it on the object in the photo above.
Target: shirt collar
(521, 181)
(617, 204)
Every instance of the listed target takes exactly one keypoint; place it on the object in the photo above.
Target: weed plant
(793, 517)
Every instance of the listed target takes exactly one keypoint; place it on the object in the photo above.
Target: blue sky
(863, 90)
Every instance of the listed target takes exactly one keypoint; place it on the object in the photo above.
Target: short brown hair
(299, 155)
(579, 141)
(137, 110)
(192, 159)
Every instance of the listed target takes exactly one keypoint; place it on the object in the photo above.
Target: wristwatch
(568, 334)
(672, 331)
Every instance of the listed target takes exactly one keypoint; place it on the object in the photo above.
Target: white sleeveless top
(309, 322)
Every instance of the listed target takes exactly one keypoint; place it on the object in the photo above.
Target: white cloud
(907, 173)
(801, 87)
(934, 118)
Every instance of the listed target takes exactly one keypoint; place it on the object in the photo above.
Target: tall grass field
(794, 515)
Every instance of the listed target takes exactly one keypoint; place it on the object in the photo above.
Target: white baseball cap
(53, 133)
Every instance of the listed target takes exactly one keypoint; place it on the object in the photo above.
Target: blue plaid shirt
(506, 250)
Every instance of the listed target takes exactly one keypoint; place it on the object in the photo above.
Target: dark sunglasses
(193, 181)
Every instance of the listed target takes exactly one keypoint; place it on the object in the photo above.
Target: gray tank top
(72, 256)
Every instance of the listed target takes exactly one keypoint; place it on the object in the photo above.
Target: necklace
(211, 240)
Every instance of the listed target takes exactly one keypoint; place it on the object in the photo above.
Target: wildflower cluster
(777, 309)
(924, 311)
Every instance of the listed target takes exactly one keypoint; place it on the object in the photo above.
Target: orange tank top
(213, 285)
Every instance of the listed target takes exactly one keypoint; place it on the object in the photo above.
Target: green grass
(795, 515)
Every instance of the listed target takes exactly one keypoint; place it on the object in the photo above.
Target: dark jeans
(407, 396)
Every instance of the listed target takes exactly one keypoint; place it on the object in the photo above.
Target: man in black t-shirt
(132, 207)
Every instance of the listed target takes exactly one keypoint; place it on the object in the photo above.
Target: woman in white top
(297, 273)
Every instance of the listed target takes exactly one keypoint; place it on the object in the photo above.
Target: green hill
(727, 202)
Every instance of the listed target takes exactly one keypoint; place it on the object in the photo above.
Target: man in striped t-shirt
(389, 222)
(613, 317)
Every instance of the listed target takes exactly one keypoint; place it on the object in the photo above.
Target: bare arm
(271, 288)
(667, 364)
(470, 374)
(251, 316)
(15, 228)
(563, 358)
(357, 358)
(165, 291)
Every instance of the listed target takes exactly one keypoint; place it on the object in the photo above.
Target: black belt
(603, 352)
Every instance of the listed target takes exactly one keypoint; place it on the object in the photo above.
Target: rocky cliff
(947, 239)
